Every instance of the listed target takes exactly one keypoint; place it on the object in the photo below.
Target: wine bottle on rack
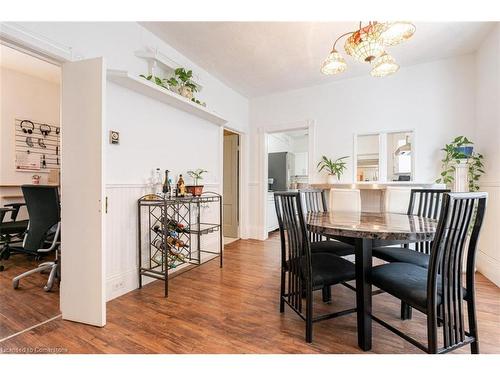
(166, 185)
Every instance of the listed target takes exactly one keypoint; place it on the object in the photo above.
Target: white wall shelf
(150, 89)
(156, 59)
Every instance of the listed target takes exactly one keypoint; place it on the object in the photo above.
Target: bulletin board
(37, 145)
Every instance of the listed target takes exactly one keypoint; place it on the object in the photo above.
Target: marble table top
(373, 225)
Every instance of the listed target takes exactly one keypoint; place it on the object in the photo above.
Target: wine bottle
(166, 186)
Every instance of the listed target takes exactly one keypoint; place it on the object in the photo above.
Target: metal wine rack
(170, 231)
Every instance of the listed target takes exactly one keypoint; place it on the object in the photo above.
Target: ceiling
(27, 64)
(258, 58)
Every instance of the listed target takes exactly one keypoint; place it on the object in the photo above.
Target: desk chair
(43, 233)
(10, 231)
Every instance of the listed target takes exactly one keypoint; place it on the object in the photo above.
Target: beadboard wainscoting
(488, 257)
(121, 237)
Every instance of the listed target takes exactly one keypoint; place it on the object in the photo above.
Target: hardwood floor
(30, 304)
(235, 310)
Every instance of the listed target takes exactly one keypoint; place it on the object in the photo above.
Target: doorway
(30, 153)
(231, 186)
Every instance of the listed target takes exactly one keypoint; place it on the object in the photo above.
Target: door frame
(243, 231)
(262, 133)
(50, 51)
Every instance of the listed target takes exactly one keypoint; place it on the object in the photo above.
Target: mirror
(368, 151)
(385, 156)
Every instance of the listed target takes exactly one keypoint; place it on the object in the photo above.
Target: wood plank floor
(28, 305)
(235, 310)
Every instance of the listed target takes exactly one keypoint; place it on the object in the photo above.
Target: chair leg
(327, 294)
(406, 311)
(52, 277)
(309, 312)
(282, 292)
(471, 312)
(40, 268)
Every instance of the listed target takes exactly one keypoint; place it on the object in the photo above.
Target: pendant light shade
(365, 44)
(397, 32)
(333, 64)
(384, 65)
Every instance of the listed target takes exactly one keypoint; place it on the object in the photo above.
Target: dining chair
(301, 270)
(345, 200)
(314, 200)
(422, 202)
(438, 291)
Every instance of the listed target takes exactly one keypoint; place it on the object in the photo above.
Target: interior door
(82, 161)
(230, 188)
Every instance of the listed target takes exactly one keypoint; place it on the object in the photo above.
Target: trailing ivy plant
(453, 156)
(182, 78)
(159, 81)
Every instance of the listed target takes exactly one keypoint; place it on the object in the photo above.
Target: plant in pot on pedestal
(196, 175)
(460, 151)
(335, 168)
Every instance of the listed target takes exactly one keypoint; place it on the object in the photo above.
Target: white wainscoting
(488, 257)
(121, 237)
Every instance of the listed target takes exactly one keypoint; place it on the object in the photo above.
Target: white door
(230, 186)
(82, 161)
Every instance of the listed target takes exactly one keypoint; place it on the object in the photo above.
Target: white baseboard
(489, 267)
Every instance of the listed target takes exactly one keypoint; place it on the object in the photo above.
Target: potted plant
(196, 175)
(182, 82)
(335, 168)
(460, 151)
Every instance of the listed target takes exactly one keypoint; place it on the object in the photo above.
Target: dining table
(366, 230)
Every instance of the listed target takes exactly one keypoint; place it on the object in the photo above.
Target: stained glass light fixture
(368, 44)
(384, 65)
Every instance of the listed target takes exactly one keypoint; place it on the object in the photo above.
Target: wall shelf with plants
(157, 88)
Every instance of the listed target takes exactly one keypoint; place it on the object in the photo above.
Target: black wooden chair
(301, 270)
(438, 290)
(314, 200)
(426, 203)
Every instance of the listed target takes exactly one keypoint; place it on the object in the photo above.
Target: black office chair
(314, 200)
(438, 290)
(426, 203)
(302, 271)
(11, 231)
(43, 233)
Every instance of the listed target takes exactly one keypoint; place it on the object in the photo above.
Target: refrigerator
(280, 167)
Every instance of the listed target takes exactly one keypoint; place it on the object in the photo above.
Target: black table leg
(364, 292)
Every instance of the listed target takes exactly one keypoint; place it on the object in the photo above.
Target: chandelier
(368, 44)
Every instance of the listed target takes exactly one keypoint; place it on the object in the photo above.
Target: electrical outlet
(118, 285)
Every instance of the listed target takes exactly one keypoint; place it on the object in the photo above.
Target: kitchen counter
(369, 185)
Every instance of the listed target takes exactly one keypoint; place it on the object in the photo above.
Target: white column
(461, 183)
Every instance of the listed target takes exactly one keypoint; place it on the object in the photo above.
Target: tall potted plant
(460, 151)
(334, 168)
(196, 175)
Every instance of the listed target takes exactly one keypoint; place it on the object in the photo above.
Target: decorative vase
(195, 190)
(465, 150)
(186, 92)
(331, 179)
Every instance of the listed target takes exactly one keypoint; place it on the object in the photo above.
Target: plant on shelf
(459, 150)
(182, 81)
(333, 167)
(196, 175)
(159, 81)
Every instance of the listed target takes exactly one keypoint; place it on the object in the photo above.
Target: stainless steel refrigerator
(280, 166)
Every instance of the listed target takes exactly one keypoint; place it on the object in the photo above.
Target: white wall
(27, 97)
(151, 134)
(487, 142)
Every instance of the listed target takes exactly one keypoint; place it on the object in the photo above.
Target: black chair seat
(14, 227)
(329, 269)
(333, 247)
(407, 282)
(401, 254)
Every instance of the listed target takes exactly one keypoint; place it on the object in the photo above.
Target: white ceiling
(24, 63)
(258, 58)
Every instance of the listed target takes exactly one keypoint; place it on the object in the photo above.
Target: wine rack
(170, 231)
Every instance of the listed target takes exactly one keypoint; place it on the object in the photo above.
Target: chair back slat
(295, 245)
(426, 203)
(314, 200)
(460, 212)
